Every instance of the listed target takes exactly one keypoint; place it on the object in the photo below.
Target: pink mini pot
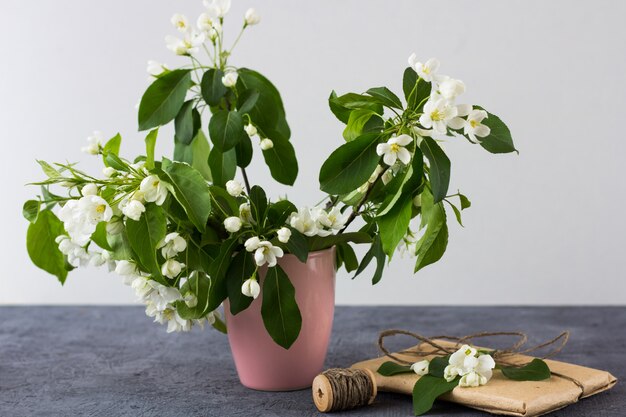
(264, 365)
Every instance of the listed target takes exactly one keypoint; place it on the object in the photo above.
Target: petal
(412, 59)
(382, 148)
(463, 109)
(456, 123)
(482, 131)
(390, 158)
(432, 64)
(404, 140)
(404, 155)
(259, 257)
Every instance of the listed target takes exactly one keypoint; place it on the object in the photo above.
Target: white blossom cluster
(474, 368)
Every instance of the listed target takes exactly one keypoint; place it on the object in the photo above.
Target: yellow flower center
(395, 147)
(426, 70)
(436, 115)
(474, 123)
(155, 184)
(181, 24)
(100, 209)
(468, 352)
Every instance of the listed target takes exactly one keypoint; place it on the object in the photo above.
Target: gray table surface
(111, 361)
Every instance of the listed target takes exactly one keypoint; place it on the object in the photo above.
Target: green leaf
(409, 81)
(536, 370)
(267, 113)
(350, 165)
(342, 113)
(427, 389)
(279, 309)
(198, 284)
(350, 261)
(223, 166)
(457, 213)
(394, 224)
(375, 252)
(432, 245)
(416, 91)
(499, 139)
(41, 245)
(298, 245)
(243, 151)
(196, 154)
(120, 246)
(282, 162)
(404, 185)
(357, 121)
(465, 203)
(219, 267)
(115, 162)
(191, 191)
(385, 97)
(352, 101)
(392, 368)
(223, 204)
(150, 146)
(439, 168)
(48, 169)
(99, 237)
(211, 86)
(164, 98)
(226, 129)
(317, 243)
(247, 101)
(438, 365)
(187, 123)
(30, 210)
(112, 146)
(145, 234)
(279, 212)
(258, 203)
(241, 269)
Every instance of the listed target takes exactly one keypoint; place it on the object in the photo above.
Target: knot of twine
(499, 355)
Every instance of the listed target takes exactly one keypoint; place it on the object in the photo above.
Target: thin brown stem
(245, 179)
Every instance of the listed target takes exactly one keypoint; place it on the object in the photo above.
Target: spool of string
(341, 389)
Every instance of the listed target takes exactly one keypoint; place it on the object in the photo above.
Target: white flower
(89, 189)
(264, 251)
(187, 46)
(437, 113)
(126, 268)
(266, 144)
(303, 222)
(180, 22)
(474, 371)
(234, 188)
(171, 268)
(206, 22)
(426, 71)
(217, 8)
(284, 234)
(322, 221)
(245, 213)
(153, 189)
(76, 254)
(215, 32)
(162, 296)
(232, 224)
(421, 367)
(251, 288)
(155, 69)
(230, 78)
(250, 130)
(109, 172)
(94, 143)
(171, 245)
(176, 323)
(252, 17)
(337, 219)
(132, 209)
(101, 258)
(394, 149)
(473, 126)
(80, 217)
(451, 88)
(94, 209)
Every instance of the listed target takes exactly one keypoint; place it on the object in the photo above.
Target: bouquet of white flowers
(187, 235)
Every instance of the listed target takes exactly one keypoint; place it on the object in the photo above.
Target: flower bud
(232, 224)
(266, 144)
(250, 130)
(421, 367)
(417, 200)
(234, 188)
(89, 189)
(109, 172)
(251, 288)
(230, 79)
(284, 233)
(171, 268)
(252, 17)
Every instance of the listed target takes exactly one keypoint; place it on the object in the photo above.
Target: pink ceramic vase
(264, 365)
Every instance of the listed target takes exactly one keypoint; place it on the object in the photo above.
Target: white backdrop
(545, 227)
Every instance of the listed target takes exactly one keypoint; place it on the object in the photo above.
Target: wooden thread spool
(339, 389)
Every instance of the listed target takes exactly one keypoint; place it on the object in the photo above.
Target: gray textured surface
(111, 361)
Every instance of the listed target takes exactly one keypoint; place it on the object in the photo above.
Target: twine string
(351, 388)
